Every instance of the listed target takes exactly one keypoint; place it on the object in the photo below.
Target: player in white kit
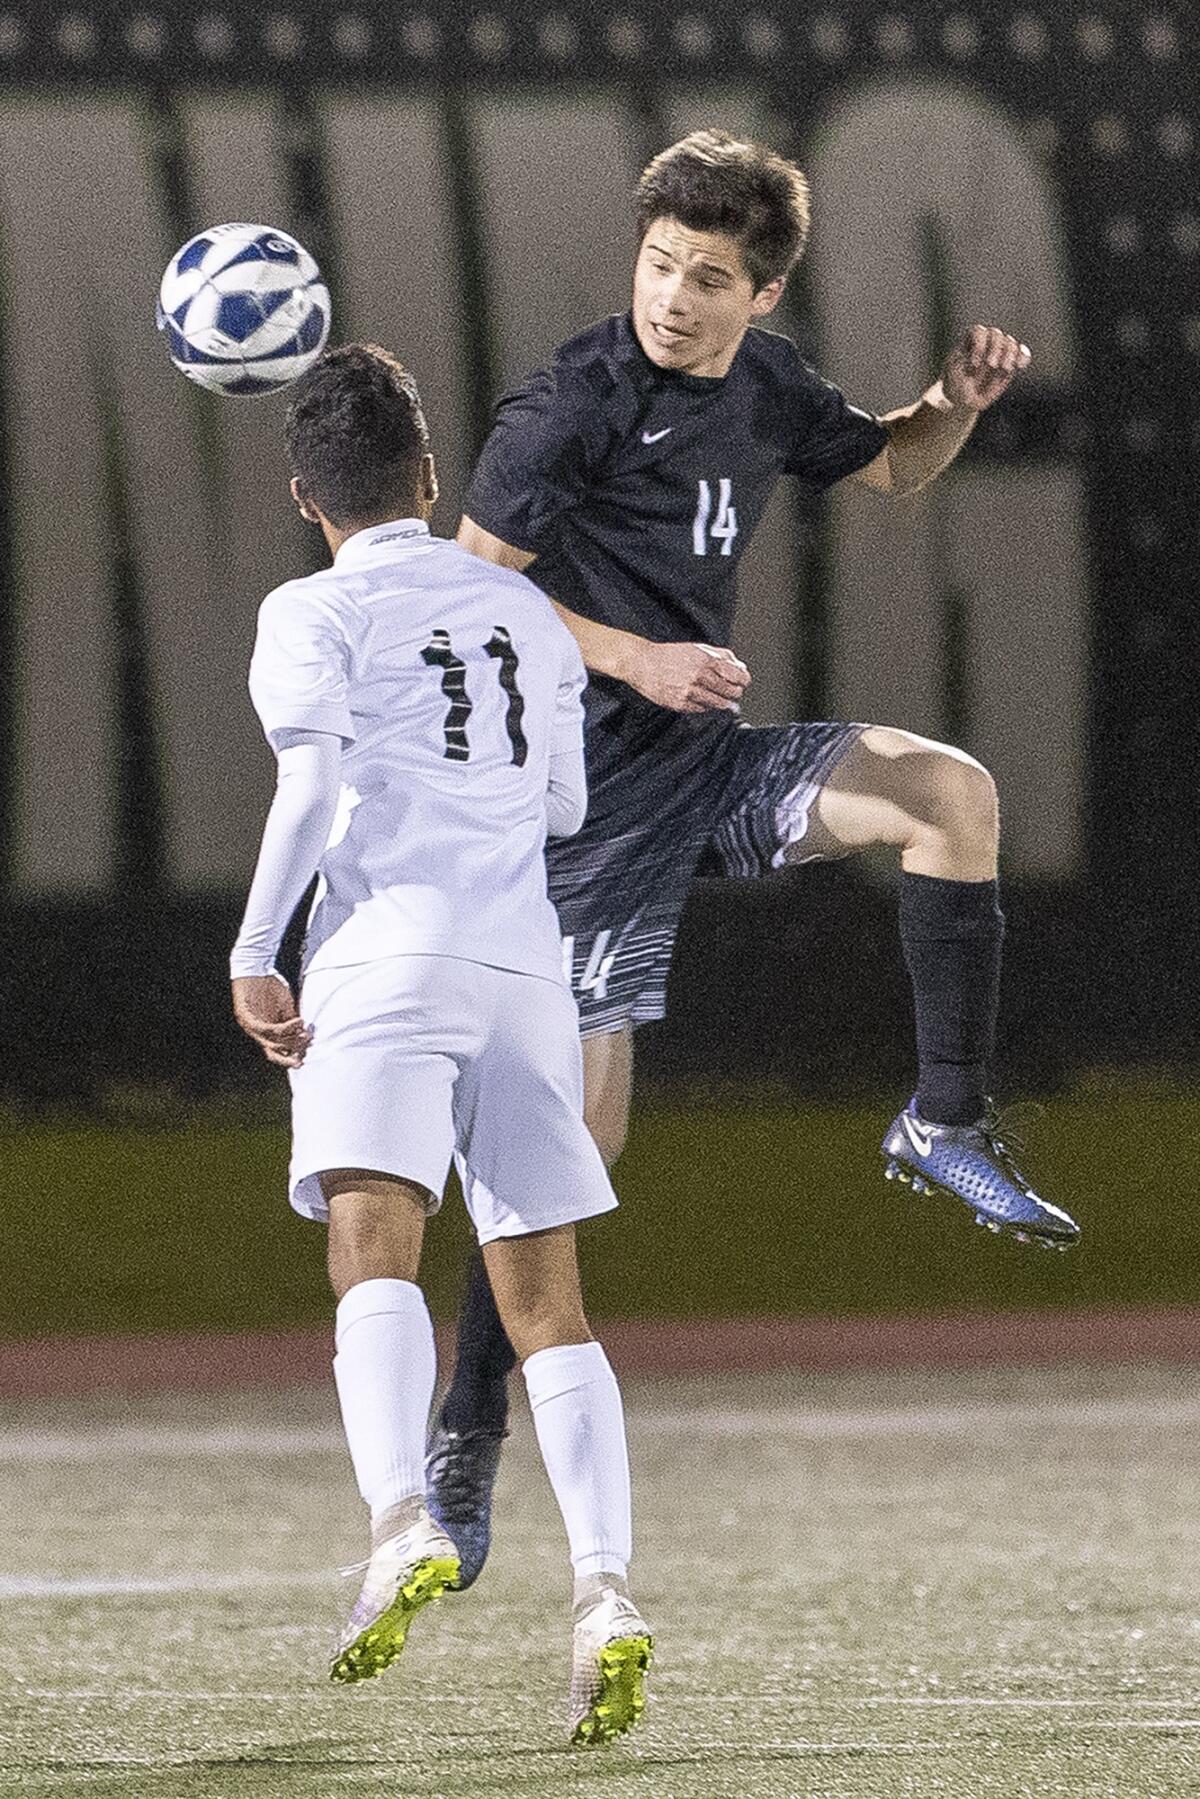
(424, 708)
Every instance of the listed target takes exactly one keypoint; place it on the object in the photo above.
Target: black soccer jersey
(637, 488)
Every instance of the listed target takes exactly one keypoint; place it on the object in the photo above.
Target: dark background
(116, 1001)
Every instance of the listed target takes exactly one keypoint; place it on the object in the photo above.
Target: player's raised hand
(689, 677)
(982, 365)
(265, 1008)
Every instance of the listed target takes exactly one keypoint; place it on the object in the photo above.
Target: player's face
(693, 298)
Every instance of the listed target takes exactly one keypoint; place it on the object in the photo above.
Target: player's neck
(337, 535)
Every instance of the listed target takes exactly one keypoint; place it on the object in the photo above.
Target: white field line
(171, 1443)
(1145, 1724)
(699, 1750)
(982, 1418)
(1015, 1702)
(166, 1443)
(185, 1696)
(351, 1767)
(115, 1586)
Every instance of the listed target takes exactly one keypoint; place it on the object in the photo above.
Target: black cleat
(973, 1163)
(460, 1472)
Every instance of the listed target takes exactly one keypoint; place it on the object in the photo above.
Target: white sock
(580, 1426)
(385, 1369)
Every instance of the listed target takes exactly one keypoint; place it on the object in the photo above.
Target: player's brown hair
(711, 181)
(355, 434)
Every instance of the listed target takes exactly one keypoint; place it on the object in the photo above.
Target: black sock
(951, 933)
(477, 1398)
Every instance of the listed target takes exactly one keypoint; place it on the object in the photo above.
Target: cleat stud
(918, 1185)
(890, 1172)
(979, 1218)
(993, 1226)
(903, 1175)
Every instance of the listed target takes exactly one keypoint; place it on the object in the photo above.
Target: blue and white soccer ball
(244, 309)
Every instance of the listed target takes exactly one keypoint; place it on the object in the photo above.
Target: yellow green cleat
(403, 1575)
(612, 1651)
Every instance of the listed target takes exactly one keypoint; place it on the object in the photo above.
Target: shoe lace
(1004, 1133)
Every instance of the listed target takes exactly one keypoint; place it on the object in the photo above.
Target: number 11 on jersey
(439, 654)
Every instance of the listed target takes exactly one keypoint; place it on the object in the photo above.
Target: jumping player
(628, 475)
(425, 712)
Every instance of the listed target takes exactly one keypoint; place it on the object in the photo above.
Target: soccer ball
(244, 309)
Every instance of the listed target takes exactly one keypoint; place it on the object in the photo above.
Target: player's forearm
(294, 839)
(605, 650)
(925, 439)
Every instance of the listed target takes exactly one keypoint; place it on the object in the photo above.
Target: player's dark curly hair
(355, 434)
(710, 181)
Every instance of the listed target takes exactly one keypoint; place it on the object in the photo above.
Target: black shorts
(620, 894)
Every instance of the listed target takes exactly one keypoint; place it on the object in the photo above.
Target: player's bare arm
(926, 437)
(683, 677)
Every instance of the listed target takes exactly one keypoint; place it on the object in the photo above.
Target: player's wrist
(937, 397)
(628, 658)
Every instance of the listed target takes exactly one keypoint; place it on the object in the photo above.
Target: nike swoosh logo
(1055, 1210)
(921, 1141)
(652, 437)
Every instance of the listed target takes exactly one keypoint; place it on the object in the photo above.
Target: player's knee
(545, 1324)
(967, 800)
(942, 789)
(368, 1241)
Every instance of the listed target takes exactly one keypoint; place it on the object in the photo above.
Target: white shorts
(417, 1059)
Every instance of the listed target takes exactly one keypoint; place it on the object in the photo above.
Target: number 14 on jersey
(723, 528)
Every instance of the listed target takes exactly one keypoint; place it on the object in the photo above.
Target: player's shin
(951, 933)
(580, 1424)
(949, 1139)
(385, 1370)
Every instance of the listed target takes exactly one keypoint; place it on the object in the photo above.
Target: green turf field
(971, 1586)
(725, 1209)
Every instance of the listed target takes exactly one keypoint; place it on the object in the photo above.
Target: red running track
(65, 1367)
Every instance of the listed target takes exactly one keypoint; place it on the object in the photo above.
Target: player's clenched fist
(266, 1010)
(688, 677)
(981, 366)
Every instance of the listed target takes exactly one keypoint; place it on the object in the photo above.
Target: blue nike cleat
(973, 1163)
(460, 1472)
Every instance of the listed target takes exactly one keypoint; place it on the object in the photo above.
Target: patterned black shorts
(620, 897)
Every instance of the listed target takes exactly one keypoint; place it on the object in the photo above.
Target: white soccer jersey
(453, 686)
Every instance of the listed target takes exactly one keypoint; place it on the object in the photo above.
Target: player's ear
(767, 298)
(307, 509)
